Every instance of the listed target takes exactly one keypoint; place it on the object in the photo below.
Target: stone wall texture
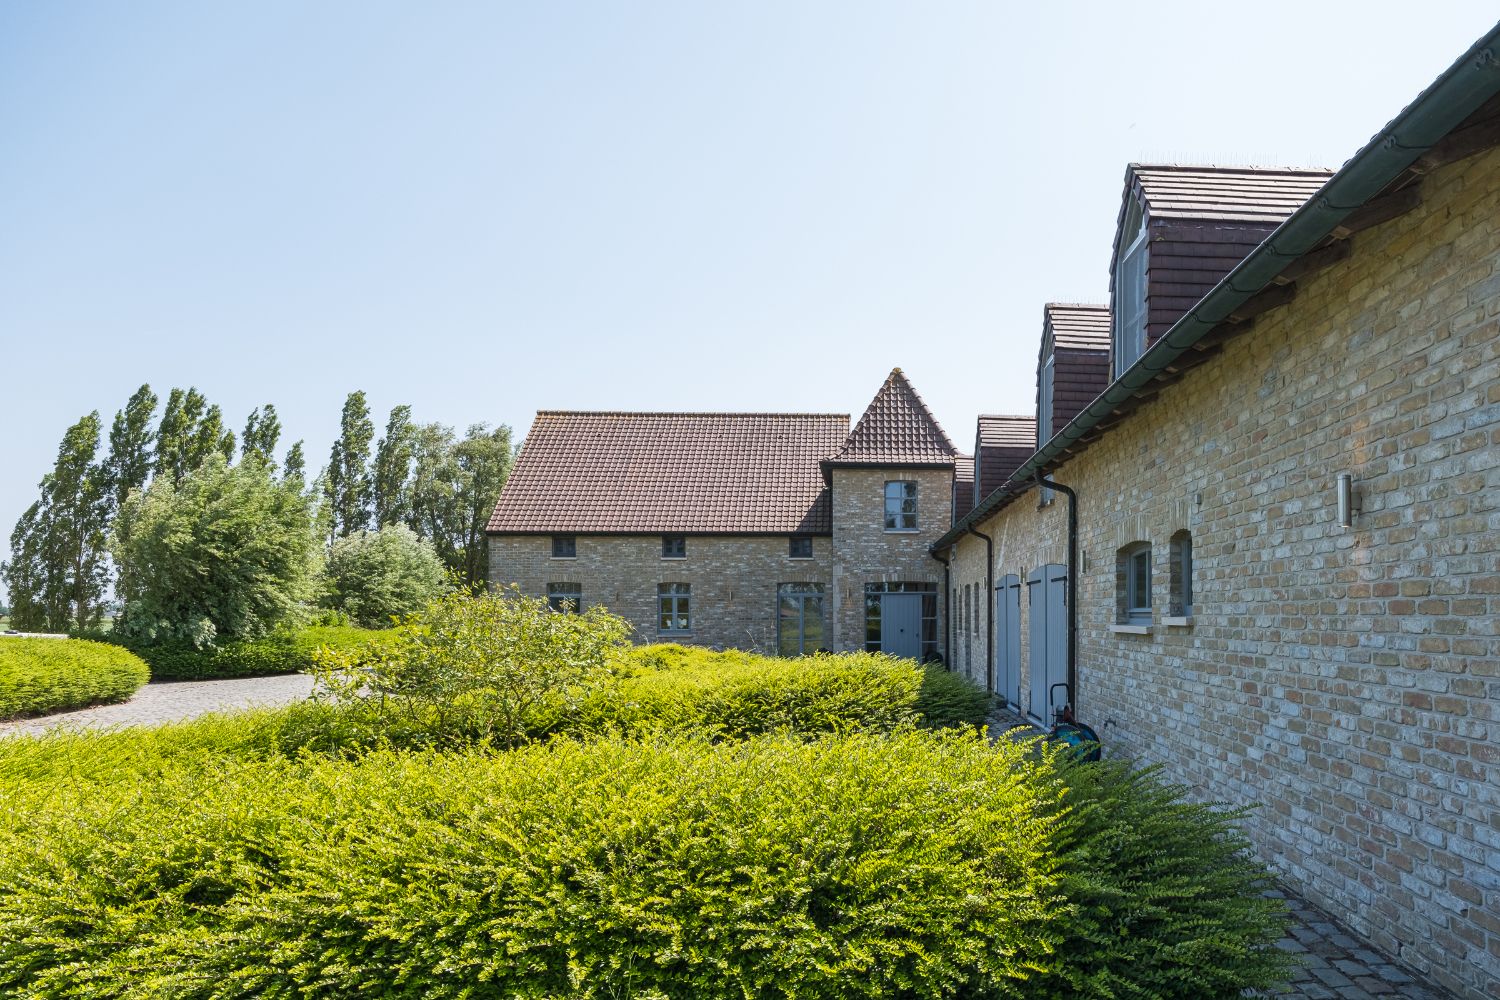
(733, 580)
(1343, 682)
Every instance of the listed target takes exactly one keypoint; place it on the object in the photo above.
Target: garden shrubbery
(284, 651)
(38, 676)
(903, 865)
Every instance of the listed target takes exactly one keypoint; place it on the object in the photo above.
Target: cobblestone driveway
(170, 701)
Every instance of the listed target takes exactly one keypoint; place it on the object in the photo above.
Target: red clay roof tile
(897, 428)
(710, 473)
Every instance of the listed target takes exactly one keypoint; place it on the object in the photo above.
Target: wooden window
(674, 614)
(799, 618)
(564, 547)
(565, 597)
(1133, 584)
(1181, 575)
(674, 546)
(799, 547)
(901, 505)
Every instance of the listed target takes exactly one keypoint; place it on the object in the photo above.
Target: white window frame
(1129, 306)
(902, 519)
(1137, 597)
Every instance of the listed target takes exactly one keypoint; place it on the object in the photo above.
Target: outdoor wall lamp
(1348, 500)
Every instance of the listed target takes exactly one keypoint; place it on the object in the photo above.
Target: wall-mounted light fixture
(1348, 500)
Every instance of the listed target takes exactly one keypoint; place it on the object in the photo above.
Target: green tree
(210, 437)
(484, 459)
(434, 511)
(294, 466)
(128, 465)
(348, 481)
(228, 553)
(374, 576)
(60, 573)
(262, 432)
(393, 455)
(179, 420)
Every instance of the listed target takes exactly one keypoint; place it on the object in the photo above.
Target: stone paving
(172, 701)
(1335, 965)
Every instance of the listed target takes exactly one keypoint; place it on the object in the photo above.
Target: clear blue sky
(485, 209)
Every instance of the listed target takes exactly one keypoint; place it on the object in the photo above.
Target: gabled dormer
(1073, 366)
(1001, 445)
(1181, 229)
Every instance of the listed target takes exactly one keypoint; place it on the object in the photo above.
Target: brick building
(1249, 531)
(772, 532)
(1282, 575)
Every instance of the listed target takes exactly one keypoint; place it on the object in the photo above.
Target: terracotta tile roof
(963, 485)
(1078, 326)
(1245, 194)
(896, 429)
(711, 473)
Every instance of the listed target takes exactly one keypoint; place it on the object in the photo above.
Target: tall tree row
(420, 475)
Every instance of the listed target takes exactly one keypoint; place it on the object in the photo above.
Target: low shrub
(950, 699)
(859, 865)
(287, 651)
(38, 676)
(737, 694)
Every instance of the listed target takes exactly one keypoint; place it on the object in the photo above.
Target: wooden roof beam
(1378, 210)
(1265, 300)
(1314, 261)
(1460, 145)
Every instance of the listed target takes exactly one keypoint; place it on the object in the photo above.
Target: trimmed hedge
(739, 694)
(38, 676)
(860, 865)
(282, 652)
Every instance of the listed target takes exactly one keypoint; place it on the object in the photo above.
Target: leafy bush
(228, 554)
(285, 651)
(913, 865)
(495, 666)
(374, 576)
(38, 676)
(740, 694)
(951, 699)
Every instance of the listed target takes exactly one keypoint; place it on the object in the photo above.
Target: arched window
(1181, 575)
(1133, 584)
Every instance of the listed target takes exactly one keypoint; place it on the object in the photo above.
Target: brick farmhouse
(1249, 531)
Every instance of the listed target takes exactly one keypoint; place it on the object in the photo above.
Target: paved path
(1335, 965)
(171, 701)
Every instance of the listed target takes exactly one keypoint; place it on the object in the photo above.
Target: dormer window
(1130, 290)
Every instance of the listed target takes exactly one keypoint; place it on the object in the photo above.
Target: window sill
(564, 558)
(1178, 621)
(1130, 629)
(673, 558)
(799, 558)
(903, 531)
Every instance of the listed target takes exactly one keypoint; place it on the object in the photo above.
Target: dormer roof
(896, 428)
(1075, 325)
(1001, 444)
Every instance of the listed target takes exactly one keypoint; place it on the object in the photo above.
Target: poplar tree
(393, 455)
(131, 437)
(60, 571)
(174, 437)
(484, 459)
(348, 479)
(294, 466)
(262, 432)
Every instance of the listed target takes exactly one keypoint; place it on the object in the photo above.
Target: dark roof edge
(1460, 91)
(645, 533)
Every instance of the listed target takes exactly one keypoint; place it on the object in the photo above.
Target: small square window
(799, 547)
(674, 546)
(564, 547)
(566, 598)
(901, 505)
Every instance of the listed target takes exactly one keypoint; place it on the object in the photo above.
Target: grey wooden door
(901, 625)
(1008, 638)
(1047, 599)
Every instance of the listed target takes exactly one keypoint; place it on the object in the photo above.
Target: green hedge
(38, 676)
(739, 694)
(860, 865)
(284, 652)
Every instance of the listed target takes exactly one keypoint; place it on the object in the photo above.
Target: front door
(901, 625)
(1008, 637)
